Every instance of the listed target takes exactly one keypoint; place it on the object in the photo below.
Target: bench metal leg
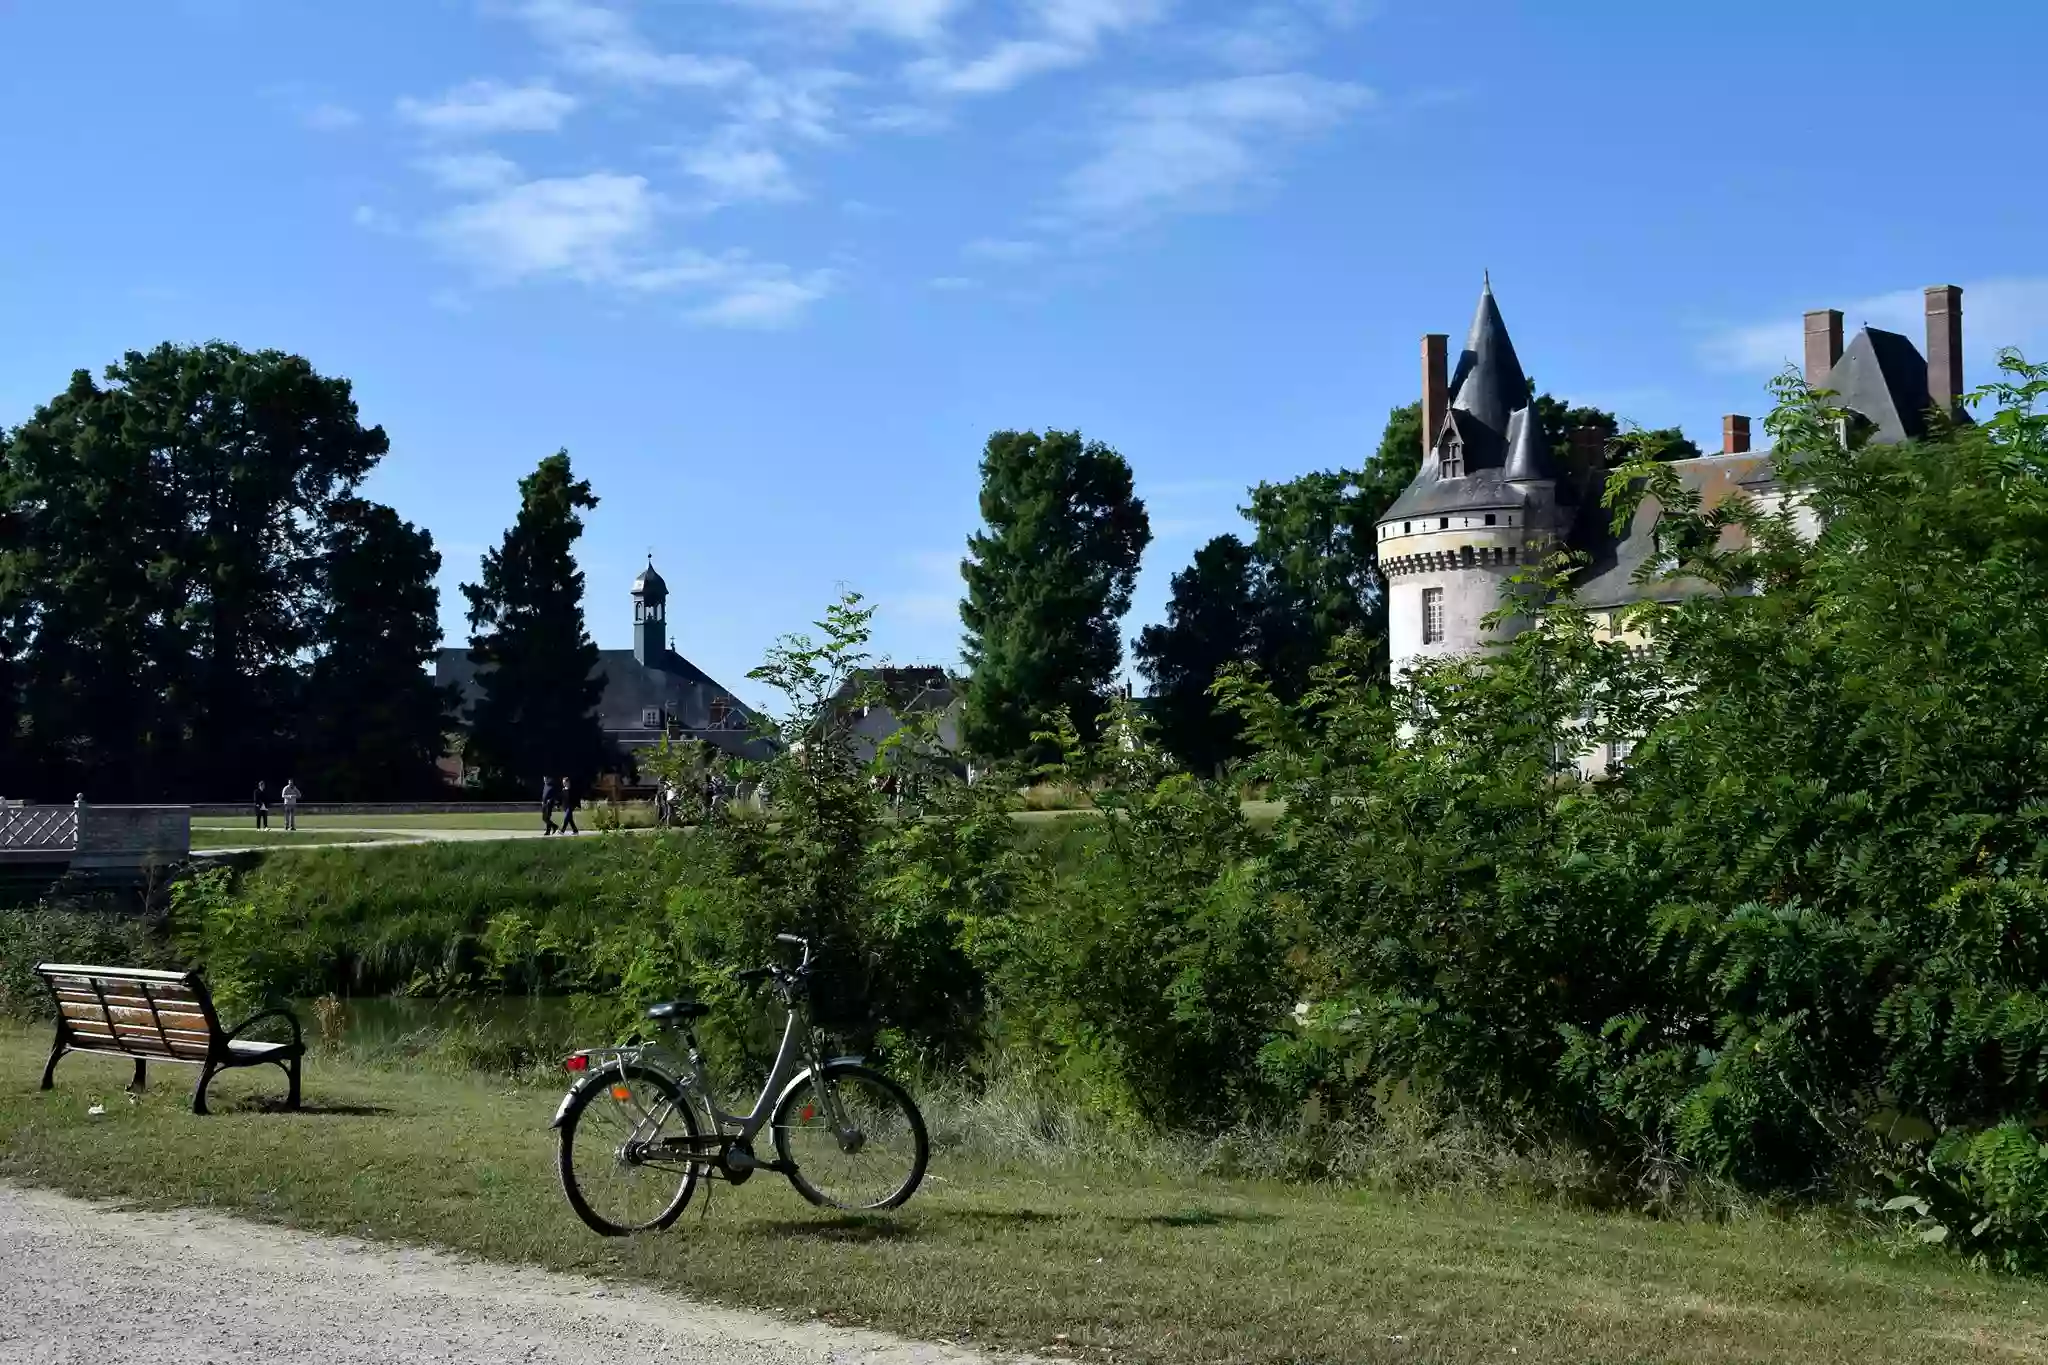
(57, 1050)
(291, 1099)
(206, 1074)
(135, 1086)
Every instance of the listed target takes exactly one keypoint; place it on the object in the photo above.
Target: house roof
(1609, 580)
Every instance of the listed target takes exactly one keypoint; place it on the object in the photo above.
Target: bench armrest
(298, 1040)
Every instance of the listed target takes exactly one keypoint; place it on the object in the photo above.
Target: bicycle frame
(731, 1140)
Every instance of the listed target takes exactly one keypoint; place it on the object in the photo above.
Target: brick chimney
(1944, 346)
(1734, 434)
(1436, 387)
(1823, 345)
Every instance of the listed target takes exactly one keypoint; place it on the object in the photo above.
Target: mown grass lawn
(512, 820)
(229, 836)
(1064, 1261)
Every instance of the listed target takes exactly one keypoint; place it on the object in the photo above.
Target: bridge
(117, 843)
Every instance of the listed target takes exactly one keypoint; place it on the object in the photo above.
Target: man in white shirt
(291, 803)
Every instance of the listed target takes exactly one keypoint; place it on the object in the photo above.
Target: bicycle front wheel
(615, 1175)
(876, 1161)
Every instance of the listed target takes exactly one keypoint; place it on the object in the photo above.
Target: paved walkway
(386, 835)
(92, 1283)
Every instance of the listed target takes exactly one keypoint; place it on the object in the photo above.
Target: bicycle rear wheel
(610, 1179)
(876, 1163)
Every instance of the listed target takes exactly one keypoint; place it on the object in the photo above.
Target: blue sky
(773, 269)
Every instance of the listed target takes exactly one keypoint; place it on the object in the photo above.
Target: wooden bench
(157, 1017)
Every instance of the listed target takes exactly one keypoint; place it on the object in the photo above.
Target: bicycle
(631, 1141)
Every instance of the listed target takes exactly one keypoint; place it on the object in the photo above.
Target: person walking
(569, 804)
(548, 797)
(291, 804)
(262, 803)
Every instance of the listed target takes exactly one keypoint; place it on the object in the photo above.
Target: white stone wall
(1470, 561)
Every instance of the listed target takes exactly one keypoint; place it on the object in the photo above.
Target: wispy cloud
(1058, 34)
(468, 172)
(480, 108)
(2011, 311)
(764, 300)
(603, 44)
(603, 229)
(735, 167)
(911, 21)
(581, 227)
(331, 118)
(1004, 250)
(952, 284)
(1195, 147)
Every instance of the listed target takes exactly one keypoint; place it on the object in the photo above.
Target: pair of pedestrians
(289, 796)
(552, 797)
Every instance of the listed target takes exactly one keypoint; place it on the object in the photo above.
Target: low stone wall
(120, 838)
(217, 809)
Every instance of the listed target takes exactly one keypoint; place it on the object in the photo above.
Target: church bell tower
(650, 616)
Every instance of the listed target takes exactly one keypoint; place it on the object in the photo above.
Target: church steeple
(650, 616)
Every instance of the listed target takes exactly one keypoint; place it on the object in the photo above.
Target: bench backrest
(133, 1010)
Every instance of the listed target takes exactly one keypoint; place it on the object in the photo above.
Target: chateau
(649, 690)
(1492, 496)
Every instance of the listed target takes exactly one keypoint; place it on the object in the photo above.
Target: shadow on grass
(853, 1228)
(344, 1111)
(1194, 1218)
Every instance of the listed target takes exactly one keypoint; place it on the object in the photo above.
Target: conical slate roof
(1493, 422)
(1489, 383)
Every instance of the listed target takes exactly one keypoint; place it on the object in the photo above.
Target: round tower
(1484, 505)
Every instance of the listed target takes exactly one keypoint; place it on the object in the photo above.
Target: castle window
(1432, 616)
(1443, 523)
(1489, 518)
(650, 717)
(1454, 459)
(1406, 527)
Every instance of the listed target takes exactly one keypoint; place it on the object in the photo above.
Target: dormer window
(1454, 458)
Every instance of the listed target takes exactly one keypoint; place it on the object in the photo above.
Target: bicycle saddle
(678, 1009)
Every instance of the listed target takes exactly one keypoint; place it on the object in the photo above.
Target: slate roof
(650, 583)
(1608, 581)
(690, 699)
(1491, 415)
(1882, 377)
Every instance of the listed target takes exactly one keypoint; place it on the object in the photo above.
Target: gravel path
(89, 1283)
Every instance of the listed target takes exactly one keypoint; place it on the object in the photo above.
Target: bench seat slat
(140, 1015)
(142, 1043)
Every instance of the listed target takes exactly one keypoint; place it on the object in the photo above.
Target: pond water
(406, 1023)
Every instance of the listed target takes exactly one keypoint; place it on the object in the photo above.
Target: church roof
(650, 583)
(690, 699)
(1609, 579)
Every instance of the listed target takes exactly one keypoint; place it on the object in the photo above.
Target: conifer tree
(536, 715)
(1048, 582)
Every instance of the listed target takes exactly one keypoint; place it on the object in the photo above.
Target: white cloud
(1008, 250)
(373, 219)
(766, 299)
(736, 167)
(952, 283)
(1063, 33)
(576, 227)
(912, 21)
(1193, 147)
(331, 118)
(603, 44)
(470, 172)
(2012, 311)
(483, 107)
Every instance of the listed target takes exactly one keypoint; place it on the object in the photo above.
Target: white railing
(39, 829)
